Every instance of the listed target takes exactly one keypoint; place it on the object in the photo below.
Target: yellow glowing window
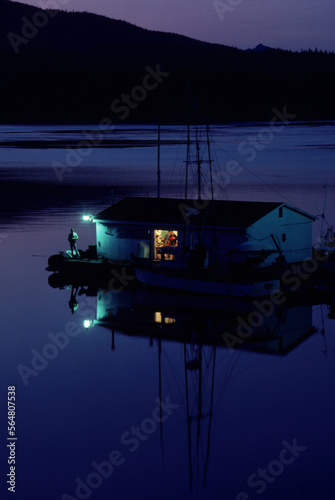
(164, 239)
(159, 318)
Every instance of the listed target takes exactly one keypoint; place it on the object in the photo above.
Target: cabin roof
(176, 211)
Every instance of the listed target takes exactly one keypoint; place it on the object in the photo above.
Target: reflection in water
(199, 324)
(74, 411)
(205, 320)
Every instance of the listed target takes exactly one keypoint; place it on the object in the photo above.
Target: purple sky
(287, 24)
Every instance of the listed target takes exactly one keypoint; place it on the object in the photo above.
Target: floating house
(229, 230)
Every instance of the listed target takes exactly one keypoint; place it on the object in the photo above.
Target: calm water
(87, 399)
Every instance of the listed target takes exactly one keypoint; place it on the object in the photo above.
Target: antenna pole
(199, 171)
(187, 158)
(210, 162)
(198, 151)
(158, 161)
(188, 137)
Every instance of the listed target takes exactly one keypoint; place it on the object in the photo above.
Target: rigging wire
(180, 143)
(178, 380)
(255, 175)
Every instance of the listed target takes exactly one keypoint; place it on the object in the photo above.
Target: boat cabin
(221, 232)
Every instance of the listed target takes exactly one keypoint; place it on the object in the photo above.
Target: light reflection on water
(75, 409)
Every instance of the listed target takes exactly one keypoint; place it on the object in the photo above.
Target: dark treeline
(65, 67)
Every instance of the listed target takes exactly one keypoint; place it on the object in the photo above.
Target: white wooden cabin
(140, 226)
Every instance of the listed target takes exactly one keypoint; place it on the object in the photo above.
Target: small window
(161, 318)
(283, 237)
(164, 239)
(280, 212)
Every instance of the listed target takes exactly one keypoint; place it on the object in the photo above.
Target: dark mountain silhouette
(259, 48)
(63, 67)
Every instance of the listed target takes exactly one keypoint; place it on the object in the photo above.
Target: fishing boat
(205, 281)
(224, 247)
(195, 244)
(86, 263)
(323, 278)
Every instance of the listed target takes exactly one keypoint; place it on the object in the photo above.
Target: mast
(210, 161)
(187, 158)
(159, 156)
(212, 193)
(188, 137)
(198, 163)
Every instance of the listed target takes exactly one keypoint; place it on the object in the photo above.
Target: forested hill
(66, 67)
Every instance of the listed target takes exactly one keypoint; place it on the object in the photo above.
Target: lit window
(164, 239)
(159, 318)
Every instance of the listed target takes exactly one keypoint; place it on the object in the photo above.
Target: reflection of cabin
(169, 317)
(160, 227)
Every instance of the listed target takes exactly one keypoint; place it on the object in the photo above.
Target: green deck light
(87, 217)
(88, 323)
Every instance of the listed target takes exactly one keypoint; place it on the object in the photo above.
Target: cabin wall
(280, 337)
(120, 241)
(292, 230)
(226, 240)
(217, 254)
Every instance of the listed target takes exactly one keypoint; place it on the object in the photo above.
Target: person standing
(73, 237)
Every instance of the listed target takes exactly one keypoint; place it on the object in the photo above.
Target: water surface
(97, 390)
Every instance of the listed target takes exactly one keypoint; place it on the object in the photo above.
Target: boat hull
(65, 262)
(186, 282)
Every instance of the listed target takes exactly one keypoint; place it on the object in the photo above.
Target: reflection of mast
(188, 421)
(160, 390)
(323, 332)
(210, 418)
(195, 364)
(199, 417)
(324, 210)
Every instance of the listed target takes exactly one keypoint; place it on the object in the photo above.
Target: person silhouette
(73, 303)
(72, 238)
